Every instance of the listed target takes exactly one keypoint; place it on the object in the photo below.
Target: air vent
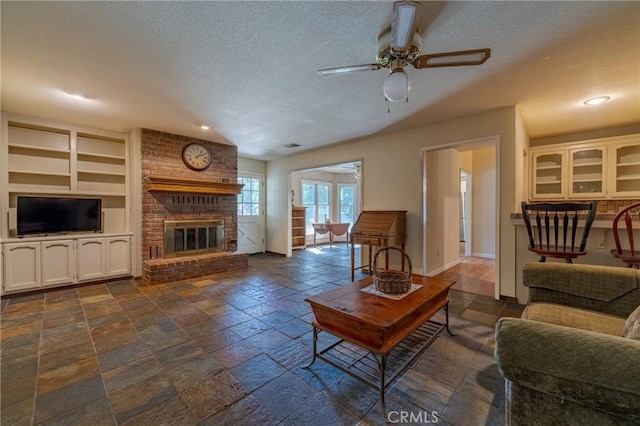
(292, 145)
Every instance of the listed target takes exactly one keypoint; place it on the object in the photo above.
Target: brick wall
(161, 157)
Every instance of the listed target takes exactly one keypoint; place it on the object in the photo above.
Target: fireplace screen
(187, 237)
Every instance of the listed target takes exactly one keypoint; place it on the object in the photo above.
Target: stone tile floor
(228, 350)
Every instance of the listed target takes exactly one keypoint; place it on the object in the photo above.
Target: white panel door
(251, 214)
(58, 262)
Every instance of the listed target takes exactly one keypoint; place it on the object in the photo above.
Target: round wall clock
(196, 156)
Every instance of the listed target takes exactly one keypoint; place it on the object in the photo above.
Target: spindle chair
(556, 228)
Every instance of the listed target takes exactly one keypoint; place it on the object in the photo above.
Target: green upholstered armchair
(566, 361)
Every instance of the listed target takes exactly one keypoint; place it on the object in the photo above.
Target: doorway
(251, 214)
(460, 212)
(329, 193)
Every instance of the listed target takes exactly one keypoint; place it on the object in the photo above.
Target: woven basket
(390, 281)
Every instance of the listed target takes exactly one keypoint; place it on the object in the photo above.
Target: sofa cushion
(631, 328)
(574, 317)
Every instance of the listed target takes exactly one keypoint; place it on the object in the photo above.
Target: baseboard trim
(484, 255)
(509, 299)
(444, 268)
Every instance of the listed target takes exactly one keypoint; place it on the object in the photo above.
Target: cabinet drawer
(367, 240)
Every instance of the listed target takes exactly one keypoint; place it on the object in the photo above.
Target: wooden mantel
(163, 184)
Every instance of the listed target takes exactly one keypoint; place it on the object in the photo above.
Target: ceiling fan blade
(453, 59)
(351, 68)
(404, 24)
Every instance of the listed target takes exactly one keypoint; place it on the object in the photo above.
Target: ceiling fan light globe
(396, 86)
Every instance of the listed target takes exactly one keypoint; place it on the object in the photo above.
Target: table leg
(386, 260)
(446, 313)
(352, 261)
(315, 345)
(383, 368)
(330, 239)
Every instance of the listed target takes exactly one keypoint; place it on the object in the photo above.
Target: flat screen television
(49, 215)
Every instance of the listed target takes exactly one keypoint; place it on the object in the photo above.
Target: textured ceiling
(248, 69)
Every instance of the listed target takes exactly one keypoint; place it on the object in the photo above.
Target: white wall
(583, 136)
(443, 207)
(466, 162)
(522, 162)
(483, 200)
(392, 178)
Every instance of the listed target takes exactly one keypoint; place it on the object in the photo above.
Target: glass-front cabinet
(605, 168)
(625, 179)
(587, 172)
(548, 174)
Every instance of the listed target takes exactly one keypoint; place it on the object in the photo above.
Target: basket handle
(405, 256)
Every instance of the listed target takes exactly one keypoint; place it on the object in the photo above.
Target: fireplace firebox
(189, 237)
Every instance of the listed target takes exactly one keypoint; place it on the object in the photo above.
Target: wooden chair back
(557, 228)
(630, 256)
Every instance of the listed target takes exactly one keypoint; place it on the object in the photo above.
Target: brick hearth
(160, 271)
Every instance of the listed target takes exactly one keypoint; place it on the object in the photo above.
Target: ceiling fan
(401, 46)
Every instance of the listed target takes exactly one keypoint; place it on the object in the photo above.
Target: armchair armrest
(607, 289)
(588, 368)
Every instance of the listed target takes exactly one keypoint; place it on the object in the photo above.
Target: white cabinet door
(58, 262)
(548, 173)
(21, 266)
(625, 169)
(118, 256)
(91, 259)
(587, 172)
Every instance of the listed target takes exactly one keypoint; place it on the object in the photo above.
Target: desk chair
(629, 256)
(556, 222)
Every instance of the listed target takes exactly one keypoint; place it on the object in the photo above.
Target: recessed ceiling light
(596, 101)
(76, 95)
(205, 127)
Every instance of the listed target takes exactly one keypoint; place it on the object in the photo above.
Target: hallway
(473, 275)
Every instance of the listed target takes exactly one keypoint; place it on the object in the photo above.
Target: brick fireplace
(173, 193)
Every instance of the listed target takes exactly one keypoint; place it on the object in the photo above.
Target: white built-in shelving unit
(46, 158)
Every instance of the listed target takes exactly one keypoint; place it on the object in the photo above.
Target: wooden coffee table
(378, 325)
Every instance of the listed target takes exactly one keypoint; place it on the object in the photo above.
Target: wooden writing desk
(382, 228)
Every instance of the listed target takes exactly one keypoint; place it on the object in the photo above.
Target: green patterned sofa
(565, 361)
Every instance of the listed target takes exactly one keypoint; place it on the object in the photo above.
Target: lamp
(396, 86)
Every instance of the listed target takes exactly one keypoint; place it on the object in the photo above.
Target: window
(249, 198)
(348, 203)
(316, 198)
